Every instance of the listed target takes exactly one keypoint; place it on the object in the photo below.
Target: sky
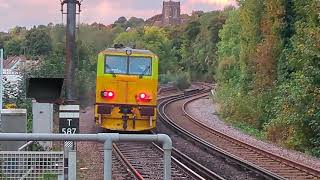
(35, 12)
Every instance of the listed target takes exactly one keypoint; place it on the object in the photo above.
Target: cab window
(116, 65)
(140, 66)
(128, 65)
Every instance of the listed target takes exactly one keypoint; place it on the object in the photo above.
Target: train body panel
(126, 90)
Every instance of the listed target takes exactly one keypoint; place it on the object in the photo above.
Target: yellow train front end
(126, 89)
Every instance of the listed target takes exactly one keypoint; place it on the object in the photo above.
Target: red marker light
(143, 96)
(110, 94)
(107, 94)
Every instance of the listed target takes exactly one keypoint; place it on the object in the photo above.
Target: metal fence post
(108, 159)
(167, 147)
(167, 164)
(72, 165)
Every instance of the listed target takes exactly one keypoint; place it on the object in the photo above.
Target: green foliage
(38, 41)
(49, 176)
(13, 47)
(268, 71)
(154, 39)
(131, 38)
(165, 78)
(199, 46)
(228, 68)
(182, 80)
(192, 30)
(248, 129)
(97, 39)
(135, 22)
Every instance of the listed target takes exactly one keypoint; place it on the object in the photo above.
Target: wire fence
(31, 165)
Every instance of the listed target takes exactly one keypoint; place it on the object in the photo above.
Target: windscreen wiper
(144, 72)
(110, 70)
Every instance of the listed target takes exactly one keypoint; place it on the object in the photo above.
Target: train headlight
(107, 94)
(144, 97)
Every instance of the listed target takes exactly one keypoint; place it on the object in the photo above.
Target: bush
(165, 78)
(248, 108)
(182, 81)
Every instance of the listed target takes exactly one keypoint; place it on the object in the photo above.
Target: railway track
(145, 160)
(173, 113)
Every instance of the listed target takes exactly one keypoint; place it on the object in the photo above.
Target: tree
(135, 22)
(228, 68)
(132, 38)
(121, 20)
(250, 36)
(270, 48)
(38, 42)
(13, 47)
(192, 30)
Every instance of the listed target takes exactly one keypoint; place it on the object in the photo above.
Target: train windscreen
(132, 65)
(140, 66)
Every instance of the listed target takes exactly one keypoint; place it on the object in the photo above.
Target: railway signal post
(70, 65)
(69, 124)
(69, 113)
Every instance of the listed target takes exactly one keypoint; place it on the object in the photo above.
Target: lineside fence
(39, 165)
(31, 165)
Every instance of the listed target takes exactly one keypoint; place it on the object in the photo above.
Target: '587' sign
(69, 119)
(69, 126)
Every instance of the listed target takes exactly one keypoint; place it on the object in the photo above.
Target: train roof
(123, 50)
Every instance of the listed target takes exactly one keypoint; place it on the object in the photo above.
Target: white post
(72, 165)
(1, 88)
(107, 147)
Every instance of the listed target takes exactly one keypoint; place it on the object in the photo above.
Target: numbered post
(69, 117)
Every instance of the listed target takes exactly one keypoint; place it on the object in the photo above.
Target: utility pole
(70, 65)
(71, 107)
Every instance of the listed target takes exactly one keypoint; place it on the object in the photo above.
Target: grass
(247, 129)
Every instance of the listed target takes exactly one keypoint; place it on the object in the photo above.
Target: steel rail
(275, 157)
(182, 165)
(167, 120)
(127, 163)
(131, 155)
(199, 168)
(188, 163)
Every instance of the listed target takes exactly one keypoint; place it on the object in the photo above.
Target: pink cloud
(4, 4)
(34, 12)
(107, 12)
(191, 5)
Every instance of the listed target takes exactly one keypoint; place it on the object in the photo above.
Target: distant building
(14, 66)
(171, 13)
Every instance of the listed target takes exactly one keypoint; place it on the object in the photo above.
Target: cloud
(206, 5)
(108, 11)
(3, 4)
(34, 12)
(214, 2)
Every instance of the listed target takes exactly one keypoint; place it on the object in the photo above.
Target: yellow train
(126, 89)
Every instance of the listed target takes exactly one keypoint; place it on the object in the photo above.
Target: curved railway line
(172, 111)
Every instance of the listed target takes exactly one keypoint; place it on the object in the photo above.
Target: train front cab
(126, 90)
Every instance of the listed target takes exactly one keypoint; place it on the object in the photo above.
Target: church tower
(171, 13)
